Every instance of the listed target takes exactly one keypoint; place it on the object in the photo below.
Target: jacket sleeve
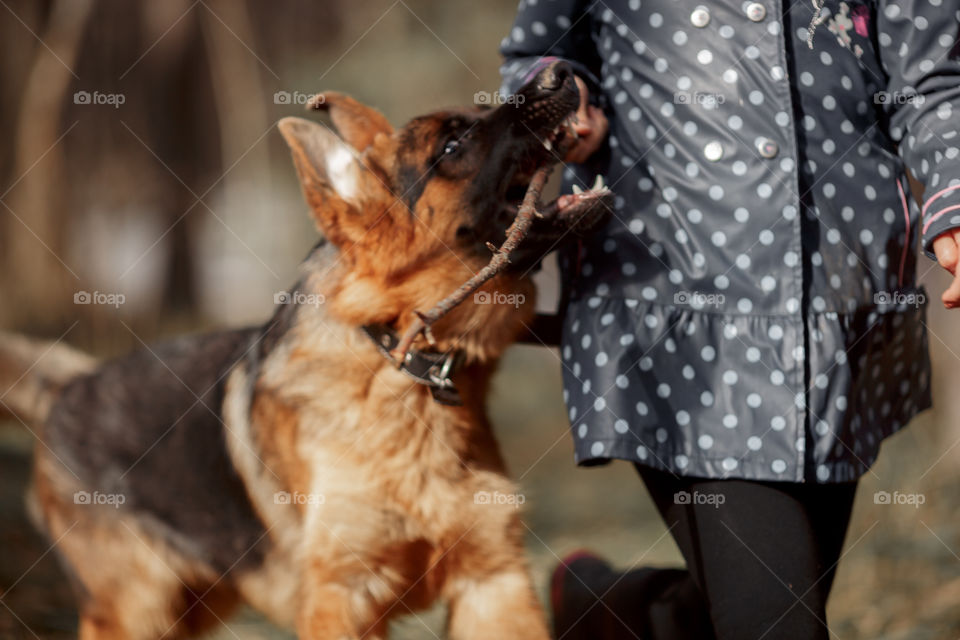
(545, 30)
(920, 53)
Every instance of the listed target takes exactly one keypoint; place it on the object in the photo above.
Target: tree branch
(501, 258)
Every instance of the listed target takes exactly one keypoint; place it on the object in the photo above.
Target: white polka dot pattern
(756, 278)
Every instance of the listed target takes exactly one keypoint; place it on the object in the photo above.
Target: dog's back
(148, 427)
(132, 479)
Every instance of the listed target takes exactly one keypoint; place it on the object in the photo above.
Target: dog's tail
(32, 372)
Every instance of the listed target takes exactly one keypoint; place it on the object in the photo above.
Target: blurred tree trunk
(238, 93)
(175, 69)
(34, 255)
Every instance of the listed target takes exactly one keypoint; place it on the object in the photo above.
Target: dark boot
(592, 601)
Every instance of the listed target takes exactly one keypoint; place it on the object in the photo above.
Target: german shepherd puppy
(294, 466)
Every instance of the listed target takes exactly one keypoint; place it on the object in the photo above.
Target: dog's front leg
(333, 611)
(500, 605)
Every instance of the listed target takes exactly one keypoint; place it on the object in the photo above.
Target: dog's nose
(554, 75)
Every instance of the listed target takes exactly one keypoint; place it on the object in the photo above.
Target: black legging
(761, 557)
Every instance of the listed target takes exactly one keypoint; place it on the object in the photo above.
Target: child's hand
(591, 127)
(947, 248)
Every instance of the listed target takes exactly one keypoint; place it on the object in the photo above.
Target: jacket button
(700, 17)
(756, 11)
(713, 151)
(767, 147)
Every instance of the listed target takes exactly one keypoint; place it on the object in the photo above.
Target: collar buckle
(433, 370)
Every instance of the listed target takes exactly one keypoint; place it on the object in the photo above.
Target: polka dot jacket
(751, 308)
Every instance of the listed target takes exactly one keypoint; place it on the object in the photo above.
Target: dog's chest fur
(359, 454)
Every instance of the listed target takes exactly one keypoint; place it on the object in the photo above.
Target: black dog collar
(431, 369)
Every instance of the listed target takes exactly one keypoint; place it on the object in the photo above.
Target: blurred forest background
(140, 158)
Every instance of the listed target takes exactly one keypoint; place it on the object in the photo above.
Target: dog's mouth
(536, 133)
(555, 144)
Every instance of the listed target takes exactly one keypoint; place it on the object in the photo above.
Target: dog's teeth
(597, 184)
(547, 145)
(577, 190)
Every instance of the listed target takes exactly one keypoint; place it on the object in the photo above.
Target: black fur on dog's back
(148, 426)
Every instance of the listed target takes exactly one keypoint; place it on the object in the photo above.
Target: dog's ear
(335, 182)
(357, 123)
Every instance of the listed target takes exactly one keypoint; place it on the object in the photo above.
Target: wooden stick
(501, 258)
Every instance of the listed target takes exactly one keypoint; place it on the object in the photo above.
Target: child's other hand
(947, 249)
(591, 127)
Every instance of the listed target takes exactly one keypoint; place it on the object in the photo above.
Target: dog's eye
(451, 147)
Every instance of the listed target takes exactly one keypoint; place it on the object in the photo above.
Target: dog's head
(413, 209)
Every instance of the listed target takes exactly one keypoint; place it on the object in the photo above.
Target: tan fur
(357, 123)
(392, 522)
(398, 475)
